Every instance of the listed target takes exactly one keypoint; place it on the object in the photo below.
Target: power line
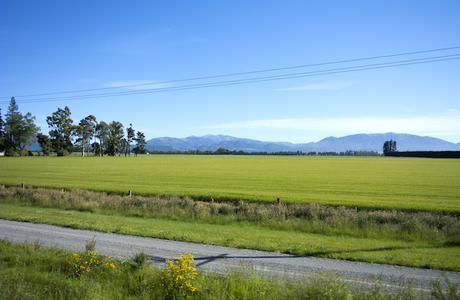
(253, 80)
(241, 73)
(256, 79)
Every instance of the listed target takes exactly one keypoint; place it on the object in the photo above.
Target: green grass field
(372, 182)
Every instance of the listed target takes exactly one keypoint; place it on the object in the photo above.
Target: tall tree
(389, 146)
(45, 143)
(85, 132)
(116, 134)
(130, 135)
(393, 146)
(96, 149)
(125, 146)
(2, 133)
(62, 131)
(19, 130)
(102, 134)
(140, 143)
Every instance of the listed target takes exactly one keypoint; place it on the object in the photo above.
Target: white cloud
(440, 126)
(135, 85)
(320, 86)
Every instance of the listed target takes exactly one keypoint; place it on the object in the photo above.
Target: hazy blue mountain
(356, 142)
(214, 142)
(405, 142)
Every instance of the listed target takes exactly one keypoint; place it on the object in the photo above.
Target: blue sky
(48, 46)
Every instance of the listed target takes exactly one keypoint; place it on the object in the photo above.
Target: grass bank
(246, 235)
(432, 227)
(32, 272)
(368, 182)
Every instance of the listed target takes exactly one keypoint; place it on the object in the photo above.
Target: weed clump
(138, 260)
(90, 262)
(90, 245)
(179, 277)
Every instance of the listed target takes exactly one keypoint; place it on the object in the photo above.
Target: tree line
(224, 151)
(428, 154)
(18, 131)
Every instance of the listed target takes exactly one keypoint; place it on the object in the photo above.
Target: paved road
(222, 259)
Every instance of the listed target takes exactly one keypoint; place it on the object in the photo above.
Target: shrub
(179, 277)
(90, 261)
(138, 261)
(90, 245)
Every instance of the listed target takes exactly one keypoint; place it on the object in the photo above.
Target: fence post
(130, 194)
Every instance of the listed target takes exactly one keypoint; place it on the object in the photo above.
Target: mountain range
(356, 142)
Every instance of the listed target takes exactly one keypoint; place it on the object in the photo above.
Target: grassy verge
(246, 235)
(431, 227)
(32, 272)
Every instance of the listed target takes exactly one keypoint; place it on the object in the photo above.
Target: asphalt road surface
(223, 259)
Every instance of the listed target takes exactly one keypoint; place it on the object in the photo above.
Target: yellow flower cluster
(86, 262)
(110, 265)
(179, 275)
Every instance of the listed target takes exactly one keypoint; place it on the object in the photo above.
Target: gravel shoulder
(224, 259)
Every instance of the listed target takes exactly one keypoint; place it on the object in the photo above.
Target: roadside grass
(31, 272)
(432, 227)
(366, 182)
(246, 235)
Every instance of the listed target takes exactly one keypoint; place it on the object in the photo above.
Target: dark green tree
(386, 147)
(85, 132)
(114, 142)
(124, 146)
(19, 130)
(96, 149)
(2, 133)
(62, 131)
(130, 135)
(222, 151)
(45, 143)
(140, 143)
(102, 134)
(389, 147)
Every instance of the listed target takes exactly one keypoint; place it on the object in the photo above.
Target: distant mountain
(405, 142)
(356, 142)
(214, 142)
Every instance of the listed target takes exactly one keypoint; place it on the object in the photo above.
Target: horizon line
(306, 142)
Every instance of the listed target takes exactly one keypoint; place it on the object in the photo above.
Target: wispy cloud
(320, 86)
(442, 126)
(135, 85)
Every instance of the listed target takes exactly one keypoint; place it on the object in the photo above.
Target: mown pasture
(367, 182)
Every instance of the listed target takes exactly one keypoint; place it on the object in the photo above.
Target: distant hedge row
(432, 154)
